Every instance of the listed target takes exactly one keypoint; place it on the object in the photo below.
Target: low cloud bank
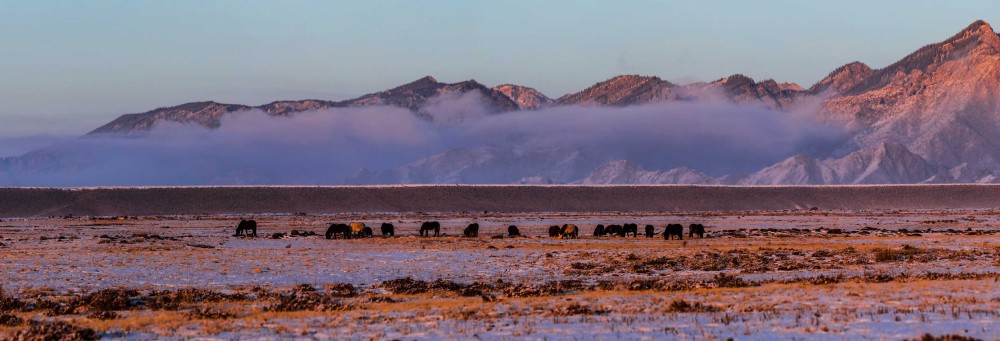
(330, 146)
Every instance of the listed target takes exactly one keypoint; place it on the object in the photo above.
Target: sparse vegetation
(682, 306)
(61, 331)
(737, 279)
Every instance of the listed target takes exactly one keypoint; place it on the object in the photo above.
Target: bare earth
(756, 275)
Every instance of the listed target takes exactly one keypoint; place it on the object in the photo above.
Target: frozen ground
(758, 275)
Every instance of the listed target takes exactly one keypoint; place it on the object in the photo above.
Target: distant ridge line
(146, 201)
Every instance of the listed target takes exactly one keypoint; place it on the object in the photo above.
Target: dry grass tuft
(60, 331)
(929, 337)
(682, 306)
(9, 320)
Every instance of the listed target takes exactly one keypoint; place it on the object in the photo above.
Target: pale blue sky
(69, 66)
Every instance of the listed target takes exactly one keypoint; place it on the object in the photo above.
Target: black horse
(613, 230)
(630, 228)
(246, 228)
(650, 231)
(367, 232)
(335, 229)
(388, 230)
(599, 230)
(698, 229)
(554, 230)
(428, 226)
(513, 231)
(472, 230)
(673, 230)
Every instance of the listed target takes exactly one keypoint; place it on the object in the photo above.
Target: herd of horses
(360, 230)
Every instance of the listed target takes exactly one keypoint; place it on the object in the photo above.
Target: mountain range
(931, 117)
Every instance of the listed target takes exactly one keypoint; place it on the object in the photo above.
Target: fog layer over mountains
(931, 117)
(455, 140)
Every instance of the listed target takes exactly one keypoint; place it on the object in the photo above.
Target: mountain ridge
(933, 116)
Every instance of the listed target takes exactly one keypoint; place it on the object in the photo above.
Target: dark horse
(630, 228)
(246, 228)
(428, 226)
(613, 230)
(698, 229)
(599, 230)
(673, 230)
(554, 231)
(335, 229)
(472, 230)
(513, 231)
(388, 230)
(650, 231)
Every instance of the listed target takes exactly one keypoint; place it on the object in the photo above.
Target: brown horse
(357, 229)
(569, 231)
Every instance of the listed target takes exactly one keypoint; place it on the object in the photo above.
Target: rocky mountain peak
(843, 78)
(525, 97)
(979, 29)
(787, 86)
(743, 89)
(622, 90)
(976, 39)
(736, 80)
(415, 94)
(426, 79)
(468, 85)
(977, 34)
(423, 85)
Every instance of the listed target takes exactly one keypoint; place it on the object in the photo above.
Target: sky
(71, 66)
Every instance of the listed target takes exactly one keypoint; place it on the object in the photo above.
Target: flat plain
(864, 274)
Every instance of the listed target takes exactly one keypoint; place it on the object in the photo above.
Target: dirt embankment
(31, 202)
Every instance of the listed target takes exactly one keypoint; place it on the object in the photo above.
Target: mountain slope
(201, 113)
(940, 102)
(887, 163)
(843, 78)
(743, 89)
(627, 172)
(621, 91)
(525, 97)
(412, 95)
